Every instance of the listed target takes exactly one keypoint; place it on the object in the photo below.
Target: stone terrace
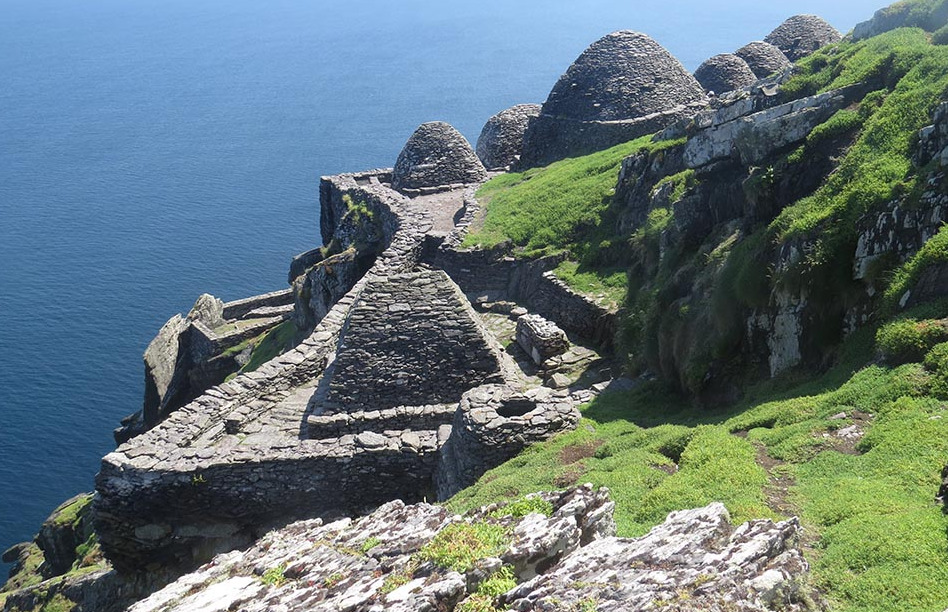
(352, 417)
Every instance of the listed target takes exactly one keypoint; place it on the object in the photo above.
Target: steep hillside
(780, 296)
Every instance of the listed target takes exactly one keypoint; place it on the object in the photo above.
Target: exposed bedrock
(763, 58)
(501, 141)
(695, 560)
(435, 155)
(730, 177)
(723, 73)
(623, 86)
(801, 35)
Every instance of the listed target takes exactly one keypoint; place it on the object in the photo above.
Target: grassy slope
(877, 535)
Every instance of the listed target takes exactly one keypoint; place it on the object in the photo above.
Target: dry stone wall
(413, 340)
(493, 424)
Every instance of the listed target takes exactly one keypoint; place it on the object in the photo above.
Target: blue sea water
(152, 150)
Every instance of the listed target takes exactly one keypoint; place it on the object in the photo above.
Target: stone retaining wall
(238, 309)
(400, 418)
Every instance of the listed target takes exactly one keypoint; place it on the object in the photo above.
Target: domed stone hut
(723, 73)
(763, 58)
(436, 155)
(801, 35)
(501, 139)
(623, 86)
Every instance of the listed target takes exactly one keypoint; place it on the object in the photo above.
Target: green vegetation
(71, 512)
(543, 210)
(876, 167)
(264, 347)
(906, 339)
(879, 538)
(274, 576)
(459, 545)
(483, 599)
(609, 283)
(369, 544)
(934, 252)
(927, 14)
(531, 504)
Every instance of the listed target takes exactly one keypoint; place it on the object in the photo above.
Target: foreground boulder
(801, 35)
(501, 139)
(436, 155)
(623, 86)
(422, 557)
(724, 72)
(763, 58)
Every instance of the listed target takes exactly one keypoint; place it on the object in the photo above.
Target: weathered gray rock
(724, 72)
(207, 309)
(570, 557)
(695, 560)
(501, 139)
(66, 528)
(435, 155)
(801, 35)
(623, 86)
(763, 58)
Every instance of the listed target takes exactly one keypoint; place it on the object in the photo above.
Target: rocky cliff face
(564, 557)
(403, 380)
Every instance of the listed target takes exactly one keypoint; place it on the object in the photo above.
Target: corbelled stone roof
(501, 140)
(623, 75)
(724, 72)
(801, 35)
(763, 58)
(436, 154)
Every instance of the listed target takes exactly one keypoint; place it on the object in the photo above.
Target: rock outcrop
(623, 86)
(501, 141)
(801, 35)
(436, 155)
(723, 73)
(191, 354)
(929, 16)
(763, 58)
(570, 559)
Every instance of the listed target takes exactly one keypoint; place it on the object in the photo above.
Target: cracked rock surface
(695, 560)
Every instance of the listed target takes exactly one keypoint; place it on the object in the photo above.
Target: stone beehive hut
(801, 35)
(763, 58)
(724, 72)
(436, 155)
(623, 86)
(501, 139)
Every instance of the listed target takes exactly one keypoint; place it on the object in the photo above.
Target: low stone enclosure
(399, 392)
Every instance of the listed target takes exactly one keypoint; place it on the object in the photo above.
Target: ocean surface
(153, 150)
